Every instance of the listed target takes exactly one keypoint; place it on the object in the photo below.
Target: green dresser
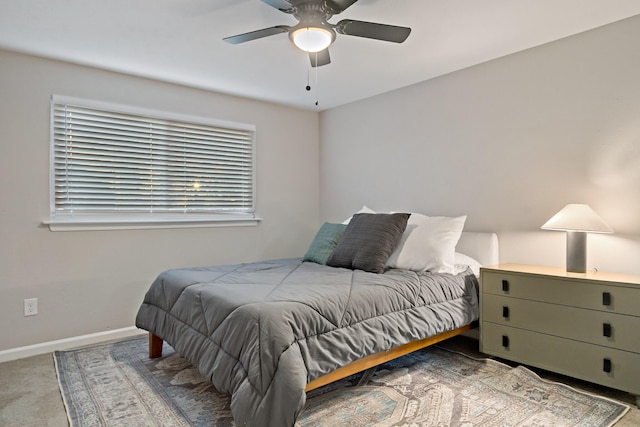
(584, 325)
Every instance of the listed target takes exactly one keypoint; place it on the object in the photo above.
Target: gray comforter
(261, 331)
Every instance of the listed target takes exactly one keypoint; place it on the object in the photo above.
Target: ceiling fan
(314, 34)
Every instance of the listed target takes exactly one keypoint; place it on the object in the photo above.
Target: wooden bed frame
(155, 350)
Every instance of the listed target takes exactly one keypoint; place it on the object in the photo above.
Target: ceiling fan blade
(318, 59)
(281, 5)
(338, 6)
(258, 34)
(371, 30)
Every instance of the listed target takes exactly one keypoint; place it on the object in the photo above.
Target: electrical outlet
(31, 306)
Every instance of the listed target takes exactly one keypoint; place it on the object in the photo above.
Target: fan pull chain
(316, 89)
(308, 87)
(316, 79)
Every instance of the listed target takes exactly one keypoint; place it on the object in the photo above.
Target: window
(122, 167)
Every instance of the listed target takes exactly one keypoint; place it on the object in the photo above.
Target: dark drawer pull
(505, 341)
(606, 298)
(505, 312)
(505, 286)
(606, 329)
(606, 365)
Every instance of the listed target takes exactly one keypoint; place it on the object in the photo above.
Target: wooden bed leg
(155, 346)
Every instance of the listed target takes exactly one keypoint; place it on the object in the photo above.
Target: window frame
(74, 221)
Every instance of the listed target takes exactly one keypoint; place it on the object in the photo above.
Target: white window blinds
(112, 160)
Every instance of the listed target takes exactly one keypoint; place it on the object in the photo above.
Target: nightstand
(584, 325)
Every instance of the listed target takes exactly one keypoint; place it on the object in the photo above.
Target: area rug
(117, 385)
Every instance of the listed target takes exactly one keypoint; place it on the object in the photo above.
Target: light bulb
(312, 39)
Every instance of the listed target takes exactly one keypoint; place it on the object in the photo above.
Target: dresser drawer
(571, 292)
(573, 358)
(595, 327)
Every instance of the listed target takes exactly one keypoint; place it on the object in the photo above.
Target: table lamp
(577, 220)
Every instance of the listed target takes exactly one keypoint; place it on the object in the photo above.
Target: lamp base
(576, 252)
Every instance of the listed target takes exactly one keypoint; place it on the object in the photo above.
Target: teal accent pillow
(325, 241)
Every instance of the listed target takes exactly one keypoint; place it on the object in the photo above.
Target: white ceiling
(180, 41)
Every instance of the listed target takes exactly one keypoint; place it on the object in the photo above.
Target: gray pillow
(368, 241)
(325, 241)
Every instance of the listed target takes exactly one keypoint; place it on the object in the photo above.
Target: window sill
(136, 223)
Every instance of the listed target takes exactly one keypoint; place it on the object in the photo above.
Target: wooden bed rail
(155, 350)
(384, 356)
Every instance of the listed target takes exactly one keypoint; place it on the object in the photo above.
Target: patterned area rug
(118, 385)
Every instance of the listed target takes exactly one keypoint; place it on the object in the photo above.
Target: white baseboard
(68, 343)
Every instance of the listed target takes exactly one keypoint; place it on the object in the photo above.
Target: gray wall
(508, 143)
(94, 281)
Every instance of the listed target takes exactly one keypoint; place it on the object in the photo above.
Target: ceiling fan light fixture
(312, 39)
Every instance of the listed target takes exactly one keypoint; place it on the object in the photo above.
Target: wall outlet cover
(31, 306)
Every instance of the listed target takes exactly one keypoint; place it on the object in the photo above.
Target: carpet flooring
(30, 394)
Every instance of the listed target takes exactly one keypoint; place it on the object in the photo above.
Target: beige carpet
(30, 396)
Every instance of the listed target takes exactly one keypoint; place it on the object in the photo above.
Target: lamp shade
(577, 217)
(312, 39)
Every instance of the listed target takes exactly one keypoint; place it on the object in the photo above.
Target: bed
(267, 332)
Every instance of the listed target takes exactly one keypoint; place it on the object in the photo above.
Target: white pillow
(364, 209)
(462, 261)
(428, 244)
